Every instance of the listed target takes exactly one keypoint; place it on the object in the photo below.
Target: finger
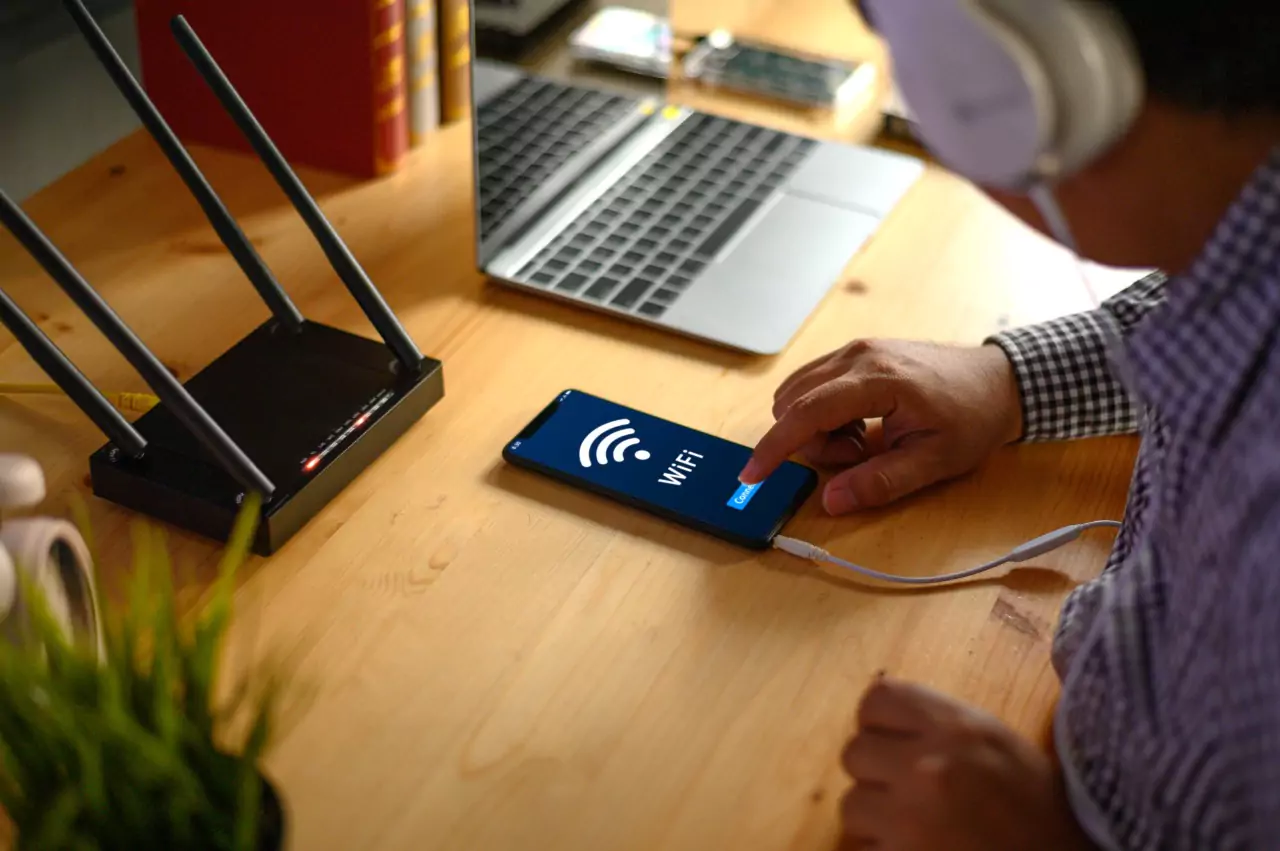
(898, 707)
(940, 708)
(802, 372)
(883, 479)
(836, 450)
(867, 435)
(863, 811)
(814, 448)
(857, 428)
(825, 409)
(890, 707)
(857, 843)
(798, 386)
(878, 758)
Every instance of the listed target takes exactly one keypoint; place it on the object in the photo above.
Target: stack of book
(344, 85)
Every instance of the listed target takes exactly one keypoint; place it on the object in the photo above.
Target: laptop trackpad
(865, 179)
(773, 277)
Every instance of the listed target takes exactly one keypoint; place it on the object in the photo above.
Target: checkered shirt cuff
(1064, 373)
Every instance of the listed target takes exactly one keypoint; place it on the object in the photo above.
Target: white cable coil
(52, 558)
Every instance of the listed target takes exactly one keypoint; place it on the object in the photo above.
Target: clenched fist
(931, 774)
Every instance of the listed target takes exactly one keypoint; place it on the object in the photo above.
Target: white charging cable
(1025, 552)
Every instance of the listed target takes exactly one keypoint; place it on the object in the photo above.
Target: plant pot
(271, 823)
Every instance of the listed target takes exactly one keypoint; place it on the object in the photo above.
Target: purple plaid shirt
(1169, 724)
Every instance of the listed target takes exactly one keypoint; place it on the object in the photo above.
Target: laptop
(712, 228)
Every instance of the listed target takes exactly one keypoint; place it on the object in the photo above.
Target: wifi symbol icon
(616, 435)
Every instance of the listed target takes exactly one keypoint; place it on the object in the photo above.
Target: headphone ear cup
(975, 88)
(1099, 79)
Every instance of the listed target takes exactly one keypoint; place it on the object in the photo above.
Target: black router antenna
(340, 257)
(72, 381)
(215, 211)
(171, 392)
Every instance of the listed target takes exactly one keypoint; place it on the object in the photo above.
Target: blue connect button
(743, 495)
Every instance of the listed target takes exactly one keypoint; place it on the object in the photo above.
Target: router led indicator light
(314, 461)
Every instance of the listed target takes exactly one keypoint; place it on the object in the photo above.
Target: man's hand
(932, 774)
(943, 410)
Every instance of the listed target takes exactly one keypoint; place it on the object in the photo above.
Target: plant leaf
(54, 830)
(165, 670)
(212, 625)
(248, 808)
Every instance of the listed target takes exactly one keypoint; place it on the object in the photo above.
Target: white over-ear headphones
(1013, 93)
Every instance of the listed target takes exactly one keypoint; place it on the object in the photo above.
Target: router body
(312, 408)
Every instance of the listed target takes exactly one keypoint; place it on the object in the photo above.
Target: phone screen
(676, 472)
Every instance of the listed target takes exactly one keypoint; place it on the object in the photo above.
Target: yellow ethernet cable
(125, 402)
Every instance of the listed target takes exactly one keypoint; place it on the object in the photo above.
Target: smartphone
(720, 60)
(675, 472)
(629, 39)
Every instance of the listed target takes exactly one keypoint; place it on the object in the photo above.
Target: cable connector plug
(802, 549)
(138, 403)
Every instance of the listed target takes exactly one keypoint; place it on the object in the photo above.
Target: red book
(325, 77)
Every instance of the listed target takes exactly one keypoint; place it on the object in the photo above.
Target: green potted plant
(139, 743)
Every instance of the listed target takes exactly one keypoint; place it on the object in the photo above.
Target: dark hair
(1212, 55)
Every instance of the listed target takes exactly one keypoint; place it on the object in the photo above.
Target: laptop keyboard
(640, 245)
(528, 132)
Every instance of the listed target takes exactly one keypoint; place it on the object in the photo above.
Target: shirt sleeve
(1064, 373)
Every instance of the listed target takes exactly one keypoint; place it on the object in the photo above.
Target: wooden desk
(505, 663)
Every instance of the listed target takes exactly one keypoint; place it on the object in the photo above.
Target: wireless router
(294, 411)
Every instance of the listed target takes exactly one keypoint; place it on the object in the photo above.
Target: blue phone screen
(688, 473)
